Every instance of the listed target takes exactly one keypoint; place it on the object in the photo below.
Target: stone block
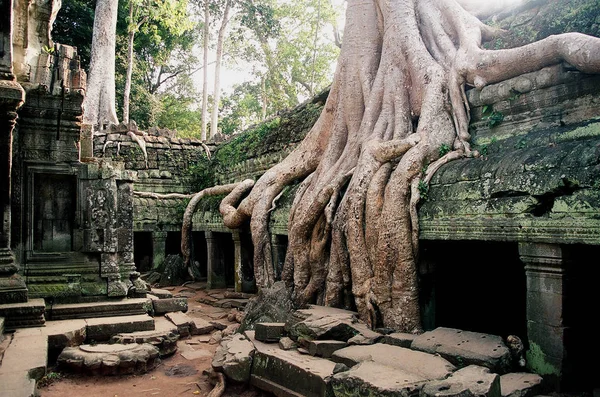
(161, 293)
(269, 332)
(234, 358)
(22, 315)
(289, 373)
(201, 327)
(169, 305)
(398, 339)
(105, 359)
(465, 348)
(103, 328)
(182, 321)
(469, 381)
(286, 343)
(520, 384)
(325, 348)
(427, 366)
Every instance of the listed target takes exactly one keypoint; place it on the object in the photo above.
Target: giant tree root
(397, 99)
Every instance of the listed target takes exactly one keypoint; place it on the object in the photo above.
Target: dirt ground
(174, 376)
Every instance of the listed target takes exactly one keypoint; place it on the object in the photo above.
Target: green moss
(536, 361)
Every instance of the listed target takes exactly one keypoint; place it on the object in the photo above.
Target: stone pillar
(215, 269)
(278, 250)
(12, 96)
(237, 260)
(159, 250)
(545, 309)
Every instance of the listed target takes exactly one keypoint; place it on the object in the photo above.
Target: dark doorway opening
(475, 286)
(199, 255)
(173, 244)
(142, 251)
(226, 252)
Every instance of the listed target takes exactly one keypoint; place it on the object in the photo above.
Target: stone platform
(22, 315)
(118, 307)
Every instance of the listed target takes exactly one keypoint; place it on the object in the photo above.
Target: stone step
(110, 308)
(103, 328)
(289, 373)
(24, 363)
(164, 337)
(109, 359)
(23, 315)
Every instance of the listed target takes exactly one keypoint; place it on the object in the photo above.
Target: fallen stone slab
(466, 348)
(161, 293)
(370, 378)
(398, 339)
(237, 295)
(289, 373)
(325, 348)
(103, 328)
(184, 323)
(269, 332)
(164, 337)
(286, 343)
(218, 325)
(234, 358)
(105, 359)
(425, 365)
(201, 327)
(320, 322)
(473, 380)
(168, 305)
(520, 384)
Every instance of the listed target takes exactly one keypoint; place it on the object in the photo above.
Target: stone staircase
(31, 342)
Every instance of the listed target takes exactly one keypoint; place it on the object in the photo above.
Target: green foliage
(443, 149)
(202, 173)
(492, 116)
(242, 146)
(521, 144)
(176, 113)
(423, 190)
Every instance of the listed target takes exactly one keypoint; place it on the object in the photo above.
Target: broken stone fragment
(398, 339)
(286, 343)
(168, 305)
(201, 327)
(466, 348)
(104, 359)
(520, 384)
(469, 381)
(269, 332)
(234, 358)
(324, 348)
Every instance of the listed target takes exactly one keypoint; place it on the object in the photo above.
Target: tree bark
(217, 88)
(99, 102)
(205, 71)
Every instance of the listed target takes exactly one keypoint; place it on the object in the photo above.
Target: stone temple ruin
(76, 230)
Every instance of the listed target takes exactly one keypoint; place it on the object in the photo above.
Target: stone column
(545, 308)
(159, 250)
(278, 250)
(215, 269)
(12, 96)
(237, 260)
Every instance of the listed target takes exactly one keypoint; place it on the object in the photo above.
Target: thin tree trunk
(99, 102)
(205, 72)
(217, 89)
(127, 90)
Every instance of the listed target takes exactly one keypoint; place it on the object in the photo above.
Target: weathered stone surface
(422, 365)
(164, 337)
(269, 332)
(109, 308)
(469, 381)
(271, 305)
(106, 359)
(161, 293)
(289, 373)
(103, 328)
(234, 358)
(465, 348)
(26, 354)
(373, 379)
(320, 322)
(325, 348)
(398, 339)
(22, 315)
(168, 305)
(66, 333)
(184, 323)
(201, 327)
(286, 343)
(520, 384)
(175, 272)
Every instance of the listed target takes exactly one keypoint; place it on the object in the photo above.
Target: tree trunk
(127, 90)
(217, 89)
(205, 71)
(397, 97)
(99, 103)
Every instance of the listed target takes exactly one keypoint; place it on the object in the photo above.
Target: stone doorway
(54, 204)
(143, 251)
